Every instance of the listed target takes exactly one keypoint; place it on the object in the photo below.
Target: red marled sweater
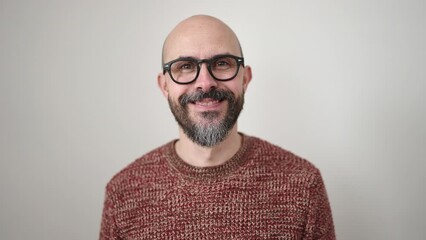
(263, 192)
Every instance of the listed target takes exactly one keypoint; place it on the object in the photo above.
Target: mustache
(216, 94)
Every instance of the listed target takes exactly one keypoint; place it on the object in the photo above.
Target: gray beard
(215, 131)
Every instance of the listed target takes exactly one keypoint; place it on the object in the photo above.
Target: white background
(340, 83)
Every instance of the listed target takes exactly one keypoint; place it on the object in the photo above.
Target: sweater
(262, 192)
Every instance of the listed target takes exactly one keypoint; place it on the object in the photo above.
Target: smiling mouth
(209, 99)
(205, 102)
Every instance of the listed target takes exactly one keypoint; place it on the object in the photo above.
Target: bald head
(200, 36)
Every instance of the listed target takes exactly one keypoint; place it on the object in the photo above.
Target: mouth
(207, 102)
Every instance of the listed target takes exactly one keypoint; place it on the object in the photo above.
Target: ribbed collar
(209, 173)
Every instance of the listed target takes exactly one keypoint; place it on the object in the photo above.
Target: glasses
(186, 70)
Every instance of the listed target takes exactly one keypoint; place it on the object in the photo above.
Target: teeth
(207, 102)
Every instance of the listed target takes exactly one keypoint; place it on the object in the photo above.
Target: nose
(205, 80)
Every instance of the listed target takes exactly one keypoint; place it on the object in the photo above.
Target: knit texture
(263, 192)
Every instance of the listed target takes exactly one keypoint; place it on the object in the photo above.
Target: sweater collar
(209, 173)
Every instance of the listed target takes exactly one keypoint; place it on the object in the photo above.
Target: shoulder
(141, 171)
(276, 166)
(279, 160)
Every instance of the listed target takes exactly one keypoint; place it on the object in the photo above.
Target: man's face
(206, 109)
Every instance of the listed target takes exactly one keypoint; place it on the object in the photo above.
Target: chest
(224, 210)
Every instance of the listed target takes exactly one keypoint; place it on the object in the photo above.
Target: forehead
(200, 39)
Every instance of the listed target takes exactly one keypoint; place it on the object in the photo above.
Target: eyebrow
(187, 56)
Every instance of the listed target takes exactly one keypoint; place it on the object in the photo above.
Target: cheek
(237, 86)
(175, 92)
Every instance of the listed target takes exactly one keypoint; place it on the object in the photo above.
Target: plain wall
(340, 83)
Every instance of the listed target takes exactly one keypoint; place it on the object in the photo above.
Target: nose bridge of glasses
(206, 61)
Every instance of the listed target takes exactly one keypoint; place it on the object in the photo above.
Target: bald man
(213, 182)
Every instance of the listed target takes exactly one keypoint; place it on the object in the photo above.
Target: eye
(223, 63)
(184, 66)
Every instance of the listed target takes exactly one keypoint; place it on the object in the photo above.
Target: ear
(162, 84)
(246, 77)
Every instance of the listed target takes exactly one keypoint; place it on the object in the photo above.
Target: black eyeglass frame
(239, 60)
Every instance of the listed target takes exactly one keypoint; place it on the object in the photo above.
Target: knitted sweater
(263, 192)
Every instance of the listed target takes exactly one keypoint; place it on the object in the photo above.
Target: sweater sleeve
(320, 221)
(109, 229)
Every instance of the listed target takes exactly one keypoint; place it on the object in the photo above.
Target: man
(213, 182)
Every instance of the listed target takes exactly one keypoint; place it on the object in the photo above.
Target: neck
(199, 156)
